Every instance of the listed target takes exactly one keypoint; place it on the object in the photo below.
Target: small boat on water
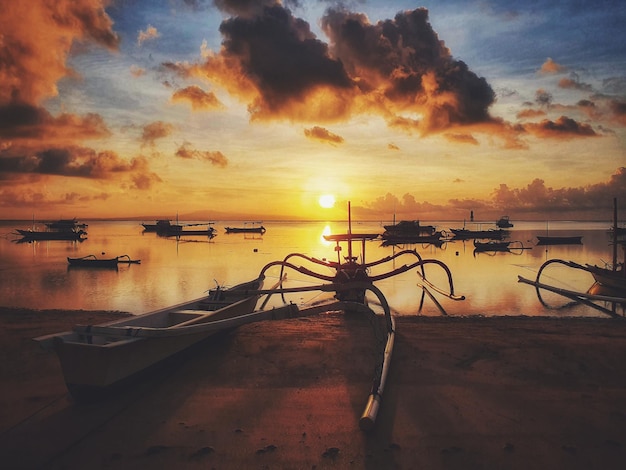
(411, 232)
(492, 245)
(556, 240)
(162, 225)
(91, 261)
(71, 235)
(504, 222)
(246, 229)
(66, 225)
(467, 234)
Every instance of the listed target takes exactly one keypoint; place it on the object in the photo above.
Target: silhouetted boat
(491, 245)
(253, 229)
(94, 358)
(91, 261)
(31, 235)
(163, 225)
(504, 222)
(466, 234)
(408, 228)
(65, 225)
(569, 240)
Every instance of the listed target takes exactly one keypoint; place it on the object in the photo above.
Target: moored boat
(66, 225)
(492, 245)
(71, 235)
(557, 240)
(162, 225)
(467, 234)
(91, 261)
(260, 229)
(504, 222)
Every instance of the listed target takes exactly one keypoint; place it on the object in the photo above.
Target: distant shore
(475, 392)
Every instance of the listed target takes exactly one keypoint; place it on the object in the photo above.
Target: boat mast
(349, 233)
(614, 234)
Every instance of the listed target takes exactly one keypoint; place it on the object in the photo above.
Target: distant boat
(165, 228)
(466, 234)
(65, 225)
(492, 245)
(72, 235)
(408, 228)
(252, 229)
(504, 222)
(548, 240)
(91, 261)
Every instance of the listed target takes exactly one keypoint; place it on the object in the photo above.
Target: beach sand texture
(466, 393)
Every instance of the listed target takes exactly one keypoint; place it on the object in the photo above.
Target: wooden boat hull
(491, 246)
(95, 362)
(464, 234)
(608, 278)
(260, 230)
(545, 240)
(63, 235)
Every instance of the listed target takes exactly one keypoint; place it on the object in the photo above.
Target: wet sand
(466, 393)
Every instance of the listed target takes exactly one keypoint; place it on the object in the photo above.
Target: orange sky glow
(255, 110)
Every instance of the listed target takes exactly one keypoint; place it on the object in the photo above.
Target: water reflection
(36, 274)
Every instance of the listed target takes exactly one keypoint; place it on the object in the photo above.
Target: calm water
(36, 275)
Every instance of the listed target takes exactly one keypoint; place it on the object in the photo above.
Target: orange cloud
(155, 130)
(198, 98)
(462, 138)
(323, 135)
(149, 33)
(551, 67)
(36, 41)
(215, 158)
(563, 127)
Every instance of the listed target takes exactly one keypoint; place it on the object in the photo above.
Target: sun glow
(327, 201)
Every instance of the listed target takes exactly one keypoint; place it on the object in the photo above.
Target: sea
(36, 275)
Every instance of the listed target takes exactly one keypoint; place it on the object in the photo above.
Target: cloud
(462, 138)
(147, 35)
(551, 67)
(197, 97)
(36, 40)
(323, 135)
(155, 130)
(569, 83)
(536, 197)
(563, 127)
(79, 162)
(216, 158)
(24, 124)
(398, 69)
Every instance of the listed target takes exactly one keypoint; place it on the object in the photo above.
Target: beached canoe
(96, 357)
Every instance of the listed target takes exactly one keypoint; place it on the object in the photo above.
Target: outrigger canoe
(91, 261)
(95, 358)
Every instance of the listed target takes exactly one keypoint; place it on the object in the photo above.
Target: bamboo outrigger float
(611, 281)
(94, 357)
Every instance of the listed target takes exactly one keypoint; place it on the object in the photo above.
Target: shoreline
(463, 392)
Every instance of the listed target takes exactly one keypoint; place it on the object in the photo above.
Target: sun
(327, 201)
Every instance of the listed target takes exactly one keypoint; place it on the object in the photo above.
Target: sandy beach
(466, 393)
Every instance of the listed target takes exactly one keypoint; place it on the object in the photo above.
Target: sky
(262, 109)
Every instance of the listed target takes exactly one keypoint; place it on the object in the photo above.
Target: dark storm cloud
(405, 59)
(70, 161)
(394, 68)
(281, 56)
